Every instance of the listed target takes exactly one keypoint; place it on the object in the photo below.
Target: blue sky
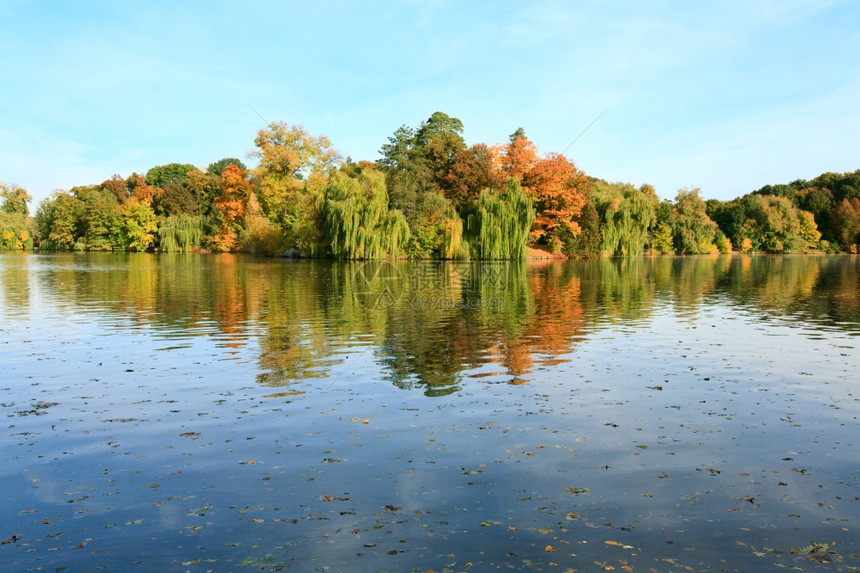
(726, 95)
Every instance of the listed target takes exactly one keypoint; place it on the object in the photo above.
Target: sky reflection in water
(225, 412)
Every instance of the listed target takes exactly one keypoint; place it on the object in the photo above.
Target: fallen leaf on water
(549, 548)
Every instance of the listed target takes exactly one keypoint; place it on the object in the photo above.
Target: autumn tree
(293, 164)
(139, 189)
(117, 186)
(175, 199)
(229, 207)
(14, 199)
(845, 222)
(293, 171)
(139, 225)
(473, 170)
(559, 193)
(15, 231)
(217, 168)
(518, 156)
(260, 236)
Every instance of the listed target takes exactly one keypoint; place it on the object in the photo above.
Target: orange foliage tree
(140, 190)
(519, 156)
(559, 191)
(229, 206)
(557, 187)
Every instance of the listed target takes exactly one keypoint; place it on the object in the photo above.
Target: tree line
(429, 195)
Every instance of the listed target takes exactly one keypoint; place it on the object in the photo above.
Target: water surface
(227, 413)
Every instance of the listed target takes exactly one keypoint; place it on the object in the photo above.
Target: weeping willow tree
(626, 214)
(356, 218)
(501, 222)
(180, 233)
(452, 246)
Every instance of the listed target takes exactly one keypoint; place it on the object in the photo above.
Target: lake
(231, 413)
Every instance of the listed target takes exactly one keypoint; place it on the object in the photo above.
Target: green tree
(421, 160)
(161, 175)
(438, 141)
(662, 236)
(820, 203)
(692, 230)
(773, 224)
(587, 242)
(405, 176)
(203, 188)
(436, 230)
(58, 220)
(100, 220)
